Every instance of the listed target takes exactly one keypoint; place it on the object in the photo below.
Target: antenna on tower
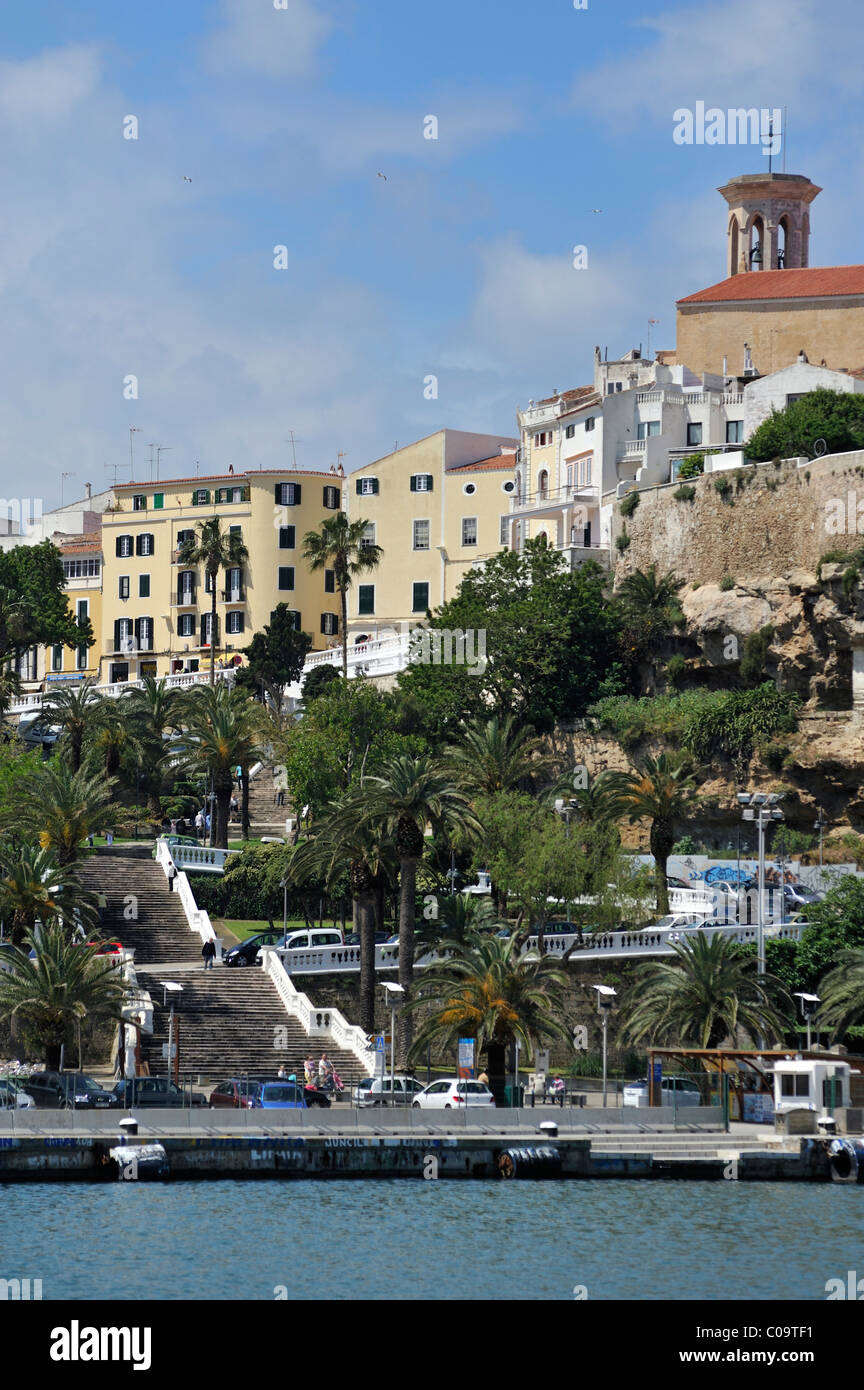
(293, 444)
(651, 323)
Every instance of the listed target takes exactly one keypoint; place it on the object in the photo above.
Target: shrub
(756, 646)
(851, 576)
(684, 493)
(773, 754)
(622, 541)
(675, 668)
(629, 504)
(693, 466)
(727, 583)
(687, 845)
(723, 486)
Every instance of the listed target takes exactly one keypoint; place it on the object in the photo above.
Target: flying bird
(382, 176)
(596, 209)
(187, 178)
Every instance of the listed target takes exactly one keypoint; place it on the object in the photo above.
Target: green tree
(842, 992)
(836, 924)
(153, 711)
(222, 733)
(650, 612)
(837, 417)
(494, 755)
(318, 681)
(35, 886)
(509, 821)
(216, 550)
(659, 790)
(703, 997)
(274, 658)
(409, 794)
(339, 545)
(77, 710)
(486, 990)
(548, 871)
(61, 808)
(550, 635)
(66, 984)
(32, 576)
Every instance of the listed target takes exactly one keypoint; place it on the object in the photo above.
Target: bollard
(128, 1128)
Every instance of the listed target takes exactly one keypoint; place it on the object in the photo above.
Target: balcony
(554, 500)
(184, 598)
(233, 595)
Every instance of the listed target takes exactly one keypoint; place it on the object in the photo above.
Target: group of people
(320, 1076)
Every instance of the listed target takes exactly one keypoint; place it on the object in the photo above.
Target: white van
(312, 938)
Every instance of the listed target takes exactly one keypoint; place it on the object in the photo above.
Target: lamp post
(391, 990)
(605, 996)
(809, 1005)
(819, 824)
(762, 809)
(283, 884)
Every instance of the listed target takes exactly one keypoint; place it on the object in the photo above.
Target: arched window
(782, 243)
(733, 246)
(757, 244)
(542, 485)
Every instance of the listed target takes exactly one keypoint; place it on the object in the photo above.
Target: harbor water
(391, 1239)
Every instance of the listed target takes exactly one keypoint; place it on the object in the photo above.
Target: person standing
(199, 824)
(325, 1072)
(172, 874)
(309, 1069)
(208, 951)
(101, 906)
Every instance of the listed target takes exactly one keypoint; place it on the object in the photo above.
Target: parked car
(453, 1093)
(675, 1090)
(248, 951)
(308, 939)
(280, 1095)
(377, 1091)
(155, 1091)
(796, 895)
(54, 1090)
(313, 1095)
(13, 1096)
(237, 1094)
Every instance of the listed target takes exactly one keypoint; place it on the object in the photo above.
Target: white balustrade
(201, 858)
(33, 699)
(328, 1023)
(197, 918)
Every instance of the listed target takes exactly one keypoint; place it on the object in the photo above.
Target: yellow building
(82, 566)
(156, 611)
(436, 507)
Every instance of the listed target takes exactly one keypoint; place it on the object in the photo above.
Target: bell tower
(769, 222)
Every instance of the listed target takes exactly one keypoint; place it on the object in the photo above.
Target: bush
(622, 541)
(773, 754)
(727, 583)
(675, 668)
(835, 416)
(684, 494)
(723, 486)
(629, 504)
(693, 466)
(756, 646)
(687, 845)
(736, 720)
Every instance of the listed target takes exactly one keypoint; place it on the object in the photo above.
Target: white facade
(776, 391)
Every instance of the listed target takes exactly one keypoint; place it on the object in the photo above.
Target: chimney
(87, 491)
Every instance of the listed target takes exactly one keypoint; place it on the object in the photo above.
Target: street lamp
(392, 990)
(809, 1005)
(283, 884)
(761, 808)
(819, 823)
(605, 996)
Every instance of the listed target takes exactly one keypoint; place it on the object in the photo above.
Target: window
(236, 531)
(796, 1084)
(286, 576)
(365, 599)
(421, 482)
(186, 625)
(123, 634)
(208, 582)
(504, 535)
(469, 530)
(795, 396)
(158, 500)
(613, 386)
(119, 671)
(293, 616)
(647, 429)
(184, 536)
(368, 537)
(234, 585)
(542, 439)
(123, 586)
(144, 543)
(329, 581)
(229, 494)
(139, 502)
(332, 498)
(81, 658)
(288, 494)
(367, 487)
(144, 634)
(206, 626)
(286, 537)
(469, 489)
(186, 586)
(329, 624)
(421, 535)
(694, 433)
(234, 622)
(82, 569)
(143, 586)
(569, 431)
(57, 657)
(200, 497)
(82, 610)
(734, 431)
(124, 546)
(509, 486)
(420, 598)
(589, 423)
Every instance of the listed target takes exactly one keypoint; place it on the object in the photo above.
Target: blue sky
(459, 264)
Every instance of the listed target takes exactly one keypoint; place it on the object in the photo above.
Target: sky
(261, 127)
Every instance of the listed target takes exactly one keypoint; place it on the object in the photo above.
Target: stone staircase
(265, 817)
(232, 1021)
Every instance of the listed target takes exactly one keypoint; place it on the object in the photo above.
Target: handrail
(321, 1022)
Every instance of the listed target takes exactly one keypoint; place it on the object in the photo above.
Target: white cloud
(41, 90)
(275, 42)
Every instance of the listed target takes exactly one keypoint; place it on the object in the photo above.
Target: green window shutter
(413, 482)
(429, 481)
(158, 500)
(358, 488)
(365, 599)
(420, 598)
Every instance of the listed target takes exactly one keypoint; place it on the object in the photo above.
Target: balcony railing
(575, 494)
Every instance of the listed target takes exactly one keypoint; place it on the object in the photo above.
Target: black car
(155, 1092)
(54, 1090)
(246, 953)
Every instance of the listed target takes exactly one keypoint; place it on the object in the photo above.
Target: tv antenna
(160, 450)
(651, 323)
(63, 477)
(292, 441)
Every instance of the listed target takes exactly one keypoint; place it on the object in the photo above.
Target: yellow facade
(155, 611)
(436, 508)
(829, 330)
(82, 565)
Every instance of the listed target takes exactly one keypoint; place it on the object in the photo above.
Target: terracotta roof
(816, 283)
(576, 394)
(498, 461)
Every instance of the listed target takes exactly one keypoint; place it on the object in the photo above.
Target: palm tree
(658, 791)
(63, 985)
(15, 619)
(842, 991)
(343, 840)
(77, 711)
(221, 734)
(458, 916)
(35, 886)
(62, 807)
(703, 997)
(339, 545)
(154, 711)
(652, 602)
(496, 755)
(486, 990)
(409, 794)
(215, 549)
